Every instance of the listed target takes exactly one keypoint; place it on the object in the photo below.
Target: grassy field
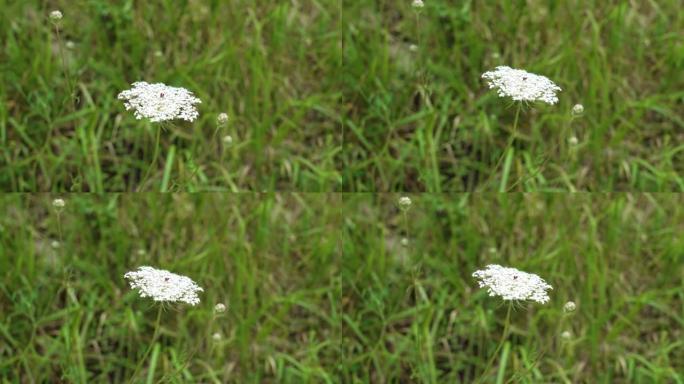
(414, 314)
(322, 289)
(272, 66)
(418, 116)
(67, 314)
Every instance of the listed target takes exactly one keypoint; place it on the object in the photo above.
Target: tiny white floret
(58, 203)
(162, 285)
(512, 284)
(222, 118)
(405, 202)
(220, 308)
(417, 4)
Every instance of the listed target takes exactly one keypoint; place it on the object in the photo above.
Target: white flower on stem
(566, 335)
(160, 102)
(404, 203)
(216, 336)
(222, 118)
(220, 308)
(417, 4)
(162, 285)
(58, 203)
(55, 15)
(521, 85)
(578, 109)
(512, 284)
(227, 139)
(570, 306)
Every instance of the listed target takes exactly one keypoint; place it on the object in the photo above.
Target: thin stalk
(149, 349)
(511, 139)
(154, 159)
(504, 336)
(64, 68)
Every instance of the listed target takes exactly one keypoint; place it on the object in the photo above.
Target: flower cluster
(160, 102)
(521, 85)
(162, 285)
(512, 284)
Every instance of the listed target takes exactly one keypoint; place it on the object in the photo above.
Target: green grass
(67, 314)
(415, 314)
(270, 65)
(424, 120)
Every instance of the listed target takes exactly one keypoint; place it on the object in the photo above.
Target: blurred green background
(272, 66)
(414, 313)
(67, 314)
(418, 116)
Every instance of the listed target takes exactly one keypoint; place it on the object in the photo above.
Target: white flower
(58, 203)
(222, 118)
(160, 102)
(55, 244)
(573, 140)
(512, 284)
(521, 85)
(162, 285)
(578, 109)
(227, 140)
(404, 202)
(413, 48)
(417, 4)
(216, 336)
(404, 242)
(570, 306)
(220, 308)
(566, 335)
(55, 15)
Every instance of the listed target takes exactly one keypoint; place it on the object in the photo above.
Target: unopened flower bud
(417, 4)
(569, 307)
(578, 109)
(58, 203)
(55, 15)
(220, 308)
(404, 203)
(222, 118)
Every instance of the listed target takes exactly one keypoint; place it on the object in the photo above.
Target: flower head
(404, 203)
(220, 308)
(570, 306)
(222, 118)
(160, 102)
(566, 335)
(58, 203)
(417, 4)
(512, 284)
(216, 336)
(55, 15)
(227, 140)
(578, 109)
(162, 285)
(521, 85)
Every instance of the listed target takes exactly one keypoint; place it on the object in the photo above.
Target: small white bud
(216, 336)
(413, 48)
(222, 118)
(219, 308)
(570, 306)
(573, 140)
(227, 140)
(58, 203)
(566, 335)
(404, 241)
(404, 203)
(417, 4)
(70, 44)
(55, 15)
(578, 109)
(55, 244)
(158, 53)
